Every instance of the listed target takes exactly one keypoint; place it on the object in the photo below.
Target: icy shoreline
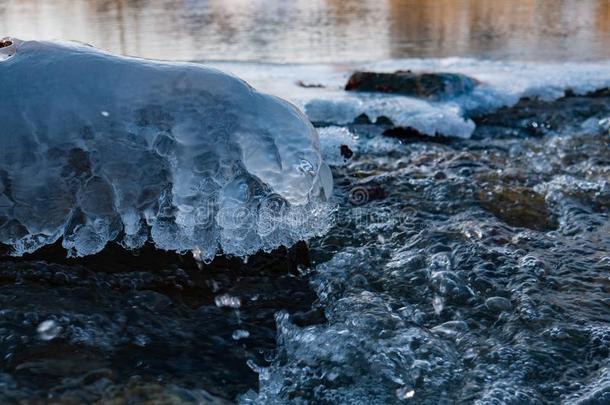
(318, 89)
(459, 269)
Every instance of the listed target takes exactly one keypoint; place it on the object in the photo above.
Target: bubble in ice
(97, 147)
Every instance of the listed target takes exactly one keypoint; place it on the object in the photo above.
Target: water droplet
(48, 330)
(226, 300)
(438, 304)
(141, 340)
(405, 393)
(197, 254)
(240, 334)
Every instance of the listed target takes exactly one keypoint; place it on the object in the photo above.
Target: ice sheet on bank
(97, 147)
(318, 89)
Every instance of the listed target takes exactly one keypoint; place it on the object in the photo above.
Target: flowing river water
(469, 258)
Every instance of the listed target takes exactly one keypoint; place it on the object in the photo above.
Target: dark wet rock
(535, 117)
(135, 391)
(517, 206)
(363, 193)
(440, 176)
(346, 152)
(412, 135)
(381, 121)
(154, 393)
(301, 83)
(604, 92)
(154, 314)
(426, 85)
(312, 317)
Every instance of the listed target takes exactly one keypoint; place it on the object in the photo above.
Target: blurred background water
(321, 30)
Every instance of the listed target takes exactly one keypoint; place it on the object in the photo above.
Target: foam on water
(98, 147)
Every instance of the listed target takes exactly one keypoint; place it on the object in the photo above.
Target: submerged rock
(426, 85)
(518, 206)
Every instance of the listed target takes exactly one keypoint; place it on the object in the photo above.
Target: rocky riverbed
(457, 271)
(480, 276)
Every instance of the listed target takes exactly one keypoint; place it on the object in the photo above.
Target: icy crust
(319, 90)
(97, 147)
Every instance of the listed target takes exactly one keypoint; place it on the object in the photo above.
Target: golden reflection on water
(522, 29)
(321, 30)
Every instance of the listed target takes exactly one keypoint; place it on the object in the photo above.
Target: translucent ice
(96, 147)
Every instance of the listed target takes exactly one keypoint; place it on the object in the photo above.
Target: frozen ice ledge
(96, 147)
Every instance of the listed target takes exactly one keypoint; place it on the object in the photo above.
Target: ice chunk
(98, 147)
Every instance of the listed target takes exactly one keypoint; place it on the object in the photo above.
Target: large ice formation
(96, 147)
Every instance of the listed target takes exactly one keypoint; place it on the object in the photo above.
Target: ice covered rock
(96, 147)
